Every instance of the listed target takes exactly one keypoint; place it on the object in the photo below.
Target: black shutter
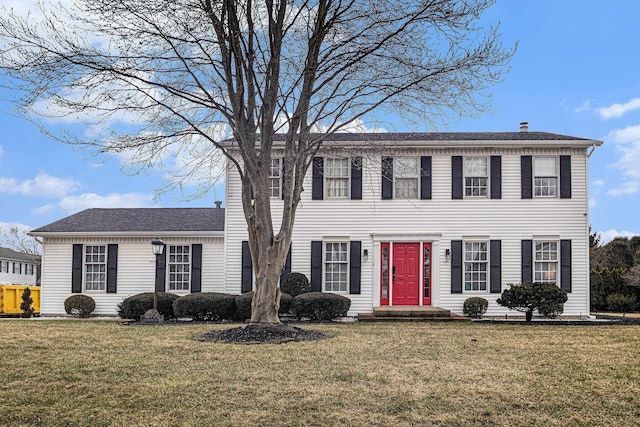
(496, 177)
(356, 178)
(456, 179)
(355, 267)
(246, 280)
(565, 265)
(316, 266)
(425, 177)
(565, 177)
(282, 180)
(196, 268)
(112, 269)
(286, 270)
(387, 178)
(76, 269)
(456, 266)
(526, 177)
(161, 269)
(527, 261)
(495, 250)
(317, 178)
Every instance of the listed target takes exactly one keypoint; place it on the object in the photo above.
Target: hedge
(206, 306)
(136, 305)
(79, 305)
(320, 305)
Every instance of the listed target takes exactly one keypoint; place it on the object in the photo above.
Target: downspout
(588, 314)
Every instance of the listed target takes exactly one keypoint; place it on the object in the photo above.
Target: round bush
(475, 307)
(243, 305)
(551, 310)
(205, 306)
(136, 305)
(295, 284)
(79, 305)
(320, 305)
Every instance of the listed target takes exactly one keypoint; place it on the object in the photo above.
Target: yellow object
(11, 298)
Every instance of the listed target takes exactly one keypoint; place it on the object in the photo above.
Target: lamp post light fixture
(158, 246)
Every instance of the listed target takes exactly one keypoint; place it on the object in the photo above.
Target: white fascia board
(130, 234)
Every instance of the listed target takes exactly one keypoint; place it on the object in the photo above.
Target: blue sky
(576, 72)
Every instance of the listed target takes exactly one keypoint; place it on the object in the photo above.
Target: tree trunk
(528, 315)
(266, 300)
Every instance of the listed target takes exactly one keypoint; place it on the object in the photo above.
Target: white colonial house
(386, 219)
(18, 268)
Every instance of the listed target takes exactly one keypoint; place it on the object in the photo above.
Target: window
(95, 268)
(476, 176)
(336, 264)
(336, 173)
(179, 268)
(4, 266)
(17, 268)
(406, 171)
(545, 176)
(274, 177)
(545, 262)
(29, 270)
(475, 266)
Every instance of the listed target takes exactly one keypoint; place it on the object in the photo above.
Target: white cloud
(1, 151)
(43, 210)
(609, 235)
(627, 188)
(43, 185)
(592, 203)
(598, 183)
(586, 106)
(623, 136)
(618, 110)
(73, 204)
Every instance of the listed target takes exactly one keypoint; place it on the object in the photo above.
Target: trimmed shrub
(528, 297)
(475, 307)
(320, 305)
(136, 305)
(295, 284)
(243, 305)
(551, 310)
(622, 303)
(205, 306)
(79, 305)
(25, 305)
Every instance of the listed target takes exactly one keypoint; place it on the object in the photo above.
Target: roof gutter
(128, 233)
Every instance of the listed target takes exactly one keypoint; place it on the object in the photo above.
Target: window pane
(545, 166)
(475, 166)
(405, 167)
(179, 267)
(336, 266)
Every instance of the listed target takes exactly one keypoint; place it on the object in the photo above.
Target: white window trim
(84, 268)
(324, 263)
(280, 161)
(168, 270)
(556, 176)
(465, 176)
(557, 260)
(486, 262)
(417, 177)
(327, 178)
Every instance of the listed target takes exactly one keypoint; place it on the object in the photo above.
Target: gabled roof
(6, 253)
(131, 220)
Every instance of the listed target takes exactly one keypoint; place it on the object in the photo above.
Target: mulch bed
(261, 335)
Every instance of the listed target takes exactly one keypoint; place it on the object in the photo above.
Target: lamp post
(158, 246)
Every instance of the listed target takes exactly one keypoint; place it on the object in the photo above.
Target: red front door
(405, 274)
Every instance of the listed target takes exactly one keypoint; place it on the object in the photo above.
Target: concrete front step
(409, 314)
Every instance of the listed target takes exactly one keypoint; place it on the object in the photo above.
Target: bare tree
(148, 75)
(18, 239)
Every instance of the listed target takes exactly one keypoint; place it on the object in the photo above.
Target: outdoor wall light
(447, 254)
(365, 254)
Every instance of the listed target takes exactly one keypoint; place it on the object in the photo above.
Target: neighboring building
(401, 219)
(17, 268)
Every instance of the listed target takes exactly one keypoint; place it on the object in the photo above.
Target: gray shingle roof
(445, 136)
(138, 220)
(6, 253)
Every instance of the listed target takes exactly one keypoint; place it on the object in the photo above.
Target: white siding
(510, 219)
(136, 270)
(19, 278)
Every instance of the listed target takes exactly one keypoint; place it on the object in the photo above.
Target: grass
(91, 373)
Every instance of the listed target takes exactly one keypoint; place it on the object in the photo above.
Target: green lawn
(77, 373)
